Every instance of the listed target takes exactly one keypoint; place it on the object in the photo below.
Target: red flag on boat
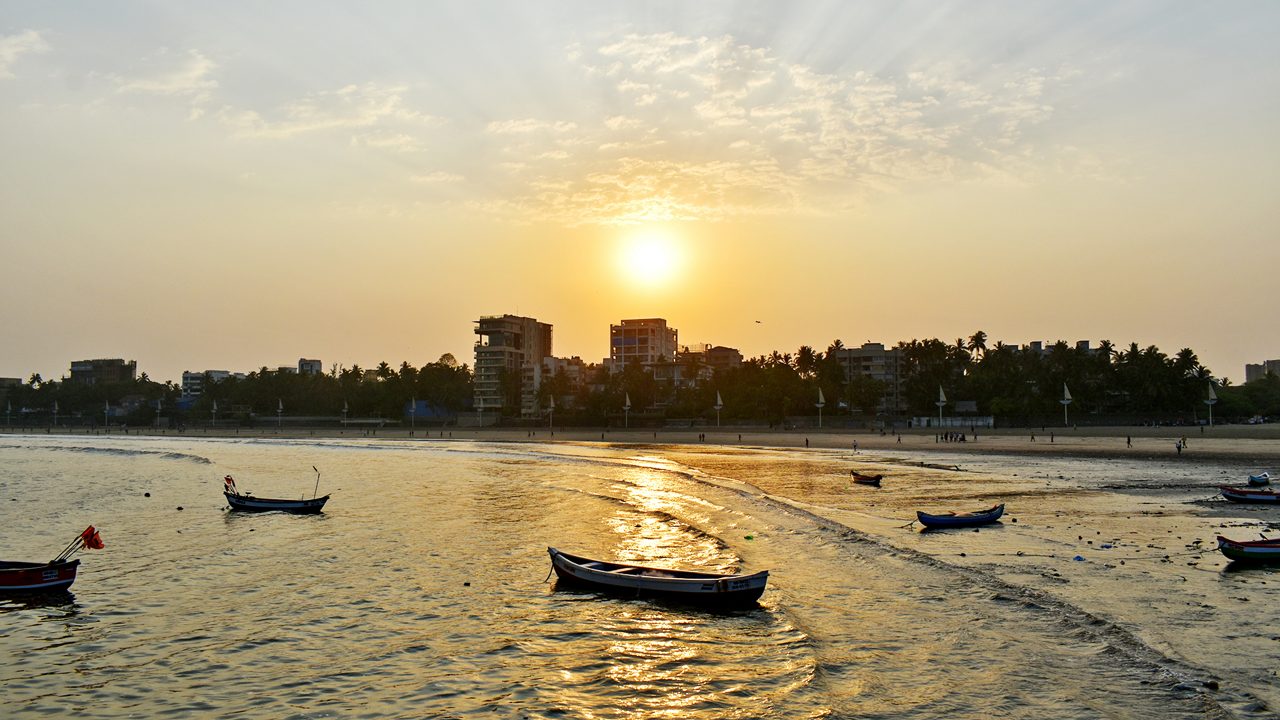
(92, 539)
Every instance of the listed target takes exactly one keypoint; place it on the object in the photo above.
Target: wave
(122, 452)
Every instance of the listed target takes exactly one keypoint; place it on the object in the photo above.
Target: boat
(727, 590)
(246, 502)
(861, 479)
(1267, 550)
(21, 578)
(1248, 495)
(962, 519)
(1260, 480)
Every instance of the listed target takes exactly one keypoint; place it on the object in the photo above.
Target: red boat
(863, 479)
(56, 575)
(1249, 495)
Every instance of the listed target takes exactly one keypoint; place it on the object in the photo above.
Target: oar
(317, 490)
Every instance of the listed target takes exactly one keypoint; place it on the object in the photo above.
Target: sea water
(423, 590)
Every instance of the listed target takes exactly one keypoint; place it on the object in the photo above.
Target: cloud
(369, 106)
(190, 79)
(12, 47)
(719, 128)
(436, 178)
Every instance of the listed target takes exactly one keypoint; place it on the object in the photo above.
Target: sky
(232, 185)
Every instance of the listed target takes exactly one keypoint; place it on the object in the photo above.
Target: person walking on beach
(1178, 446)
(1128, 441)
(1033, 437)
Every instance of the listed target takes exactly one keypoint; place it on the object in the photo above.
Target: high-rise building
(103, 371)
(1257, 372)
(875, 361)
(509, 356)
(310, 367)
(641, 341)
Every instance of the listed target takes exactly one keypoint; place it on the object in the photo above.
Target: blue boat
(962, 519)
(1260, 480)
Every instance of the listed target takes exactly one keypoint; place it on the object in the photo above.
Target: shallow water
(420, 591)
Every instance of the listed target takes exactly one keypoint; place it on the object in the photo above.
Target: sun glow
(651, 257)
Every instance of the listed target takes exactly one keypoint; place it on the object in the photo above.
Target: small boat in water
(20, 578)
(962, 519)
(642, 581)
(1248, 495)
(1259, 551)
(246, 502)
(1260, 480)
(861, 479)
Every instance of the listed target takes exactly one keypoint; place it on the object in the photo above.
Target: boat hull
(1264, 551)
(20, 578)
(984, 517)
(1249, 495)
(683, 586)
(248, 503)
(872, 480)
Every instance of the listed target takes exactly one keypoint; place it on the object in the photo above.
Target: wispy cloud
(718, 128)
(360, 107)
(13, 47)
(191, 78)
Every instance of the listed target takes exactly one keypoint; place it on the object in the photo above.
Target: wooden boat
(963, 519)
(20, 578)
(1260, 480)
(30, 577)
(861, 479)
(1248, 495)
(641, 581)
(245, 502)
(1250, 551)
(249, 503)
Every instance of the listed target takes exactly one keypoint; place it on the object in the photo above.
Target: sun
(650, 257)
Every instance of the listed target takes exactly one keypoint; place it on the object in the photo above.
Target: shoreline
(1258, 444)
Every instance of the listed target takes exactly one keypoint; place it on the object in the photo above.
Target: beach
(1103, 575)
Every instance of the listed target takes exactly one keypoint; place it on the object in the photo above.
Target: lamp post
(820, 404)
(551, 412)
(344, 413)
(279, 414)
(719, 406)
(55, 413)
(1213, 398)
(480, 417)
(626, 410)
(215, 413)
(942, 400)
(106, 413)
(1066, 400)
(413, 412)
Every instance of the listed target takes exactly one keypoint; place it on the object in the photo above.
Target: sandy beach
(1257, 444)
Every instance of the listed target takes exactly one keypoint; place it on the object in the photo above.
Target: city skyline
(233, 186)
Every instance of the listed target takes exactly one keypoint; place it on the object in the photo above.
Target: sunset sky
(233, 185)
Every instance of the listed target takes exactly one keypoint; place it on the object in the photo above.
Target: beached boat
(246, 502)
(20, 578)
(1248, 495)
(1250, 551)
(861, 479)
(642, 581)
(1260, 480)
(962, 519)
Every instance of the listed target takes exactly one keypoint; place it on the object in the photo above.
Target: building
(720, 357)
(103, 371)
(641, 341)
(1257, 372)
(310, 367)
(193, 382)
(510, 347)
(873, 360)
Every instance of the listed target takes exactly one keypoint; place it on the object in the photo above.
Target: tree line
(1019, 386)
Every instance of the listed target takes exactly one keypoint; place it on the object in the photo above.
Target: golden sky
(228, 185)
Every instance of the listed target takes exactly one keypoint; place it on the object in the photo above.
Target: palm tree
(978, 343)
